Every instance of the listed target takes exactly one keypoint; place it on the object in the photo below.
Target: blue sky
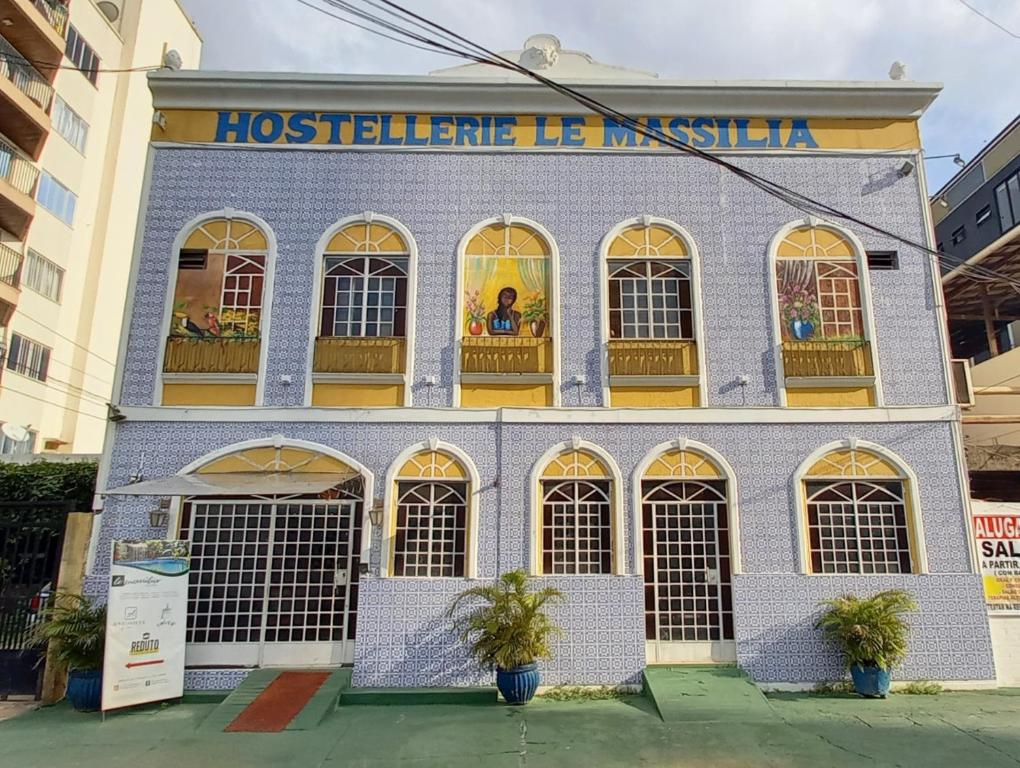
(938, 40)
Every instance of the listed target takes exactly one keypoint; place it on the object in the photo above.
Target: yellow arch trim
(652, 241)
(433, 465)
(270, 459)
(503, 240)
(677, 463)
(227, 235)
(855, 462)
(577, 463)
(367, 237)
(814, 243)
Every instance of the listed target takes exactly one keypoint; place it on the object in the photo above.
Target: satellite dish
(14, 432)
(109, 9)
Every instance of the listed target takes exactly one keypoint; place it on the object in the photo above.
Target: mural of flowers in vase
(798, 302)
(475, 308)
(536, 314)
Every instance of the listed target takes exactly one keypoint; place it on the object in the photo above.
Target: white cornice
(544, 415)
(384, 93)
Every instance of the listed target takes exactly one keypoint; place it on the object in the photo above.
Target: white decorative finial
(898, 71)
(541, 52)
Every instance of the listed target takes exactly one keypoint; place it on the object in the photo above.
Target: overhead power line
(19, 59)
(989, 19)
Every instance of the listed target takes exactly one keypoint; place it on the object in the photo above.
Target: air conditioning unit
(962, 383)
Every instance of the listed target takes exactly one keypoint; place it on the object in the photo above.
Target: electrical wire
(19, 59)
(41, 324)
(989, 19)
(9, 388)
(794, 199)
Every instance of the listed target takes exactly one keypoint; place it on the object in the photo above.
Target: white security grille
(431, 529)
(688, 596)
(649, 300)
(364, 296)
(576, 527)
(272, 573)
(858, 527)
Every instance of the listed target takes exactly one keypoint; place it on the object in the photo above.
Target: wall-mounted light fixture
(160, 516)
(375, 513)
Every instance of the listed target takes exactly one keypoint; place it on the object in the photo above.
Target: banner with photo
(145, 622)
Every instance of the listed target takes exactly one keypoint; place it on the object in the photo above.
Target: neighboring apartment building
(73, 142)
(977, 225)
(392, 335)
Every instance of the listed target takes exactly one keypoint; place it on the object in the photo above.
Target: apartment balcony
(212, 354)
(383, 355)
(25, 100)
(505, 355)
(10, 281)
(37, 29)
(18, 177)
(827, 359)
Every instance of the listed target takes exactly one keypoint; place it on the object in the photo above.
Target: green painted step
(323, 702)
(692, 694)
(407, 696)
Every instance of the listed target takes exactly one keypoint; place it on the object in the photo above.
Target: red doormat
(274, 708)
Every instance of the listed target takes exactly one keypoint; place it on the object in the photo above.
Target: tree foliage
(510, 628)
(870, 631)
(49, 481)
(76, 628)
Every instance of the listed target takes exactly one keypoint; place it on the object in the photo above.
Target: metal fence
(16, 169)
(15, 68)
(55, 13)
(10, 265)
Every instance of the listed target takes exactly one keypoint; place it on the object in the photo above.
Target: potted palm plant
(871, 634)
(77, 631)
(510, 631)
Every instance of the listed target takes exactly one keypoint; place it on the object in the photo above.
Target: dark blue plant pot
(872, 682)
(802, 330)
(85, 689)
(518, 685)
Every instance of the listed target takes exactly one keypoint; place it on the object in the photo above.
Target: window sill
(359, 378)
(804, 382)
(655, 381)
(209, 378)
(504, 378)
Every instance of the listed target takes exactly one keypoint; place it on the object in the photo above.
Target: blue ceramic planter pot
(871, 681)
(518, 685)
(85, 689)
(802, 330)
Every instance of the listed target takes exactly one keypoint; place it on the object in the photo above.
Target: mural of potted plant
(536, 314)
(799, 308)
(475, 307)
(871, 634)
(77, 631)
(510, 631)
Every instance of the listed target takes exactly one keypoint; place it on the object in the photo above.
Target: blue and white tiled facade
(403, 636)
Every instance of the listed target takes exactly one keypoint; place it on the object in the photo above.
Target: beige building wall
(68, 410)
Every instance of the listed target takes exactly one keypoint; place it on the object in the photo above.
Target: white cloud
(939, 40)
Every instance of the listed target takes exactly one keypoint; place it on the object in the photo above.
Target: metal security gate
(272, 583)
(31, 536)
(688, 595)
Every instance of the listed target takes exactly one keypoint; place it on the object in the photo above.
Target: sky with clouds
(938, 40)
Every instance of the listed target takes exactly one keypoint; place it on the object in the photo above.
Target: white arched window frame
(637, 497)
(864, 285)
(368, 217)
(696, 295)
(911, 497)
(509, 220)
(278, 441)
(265, 322)
(393, 477)
(615, 494)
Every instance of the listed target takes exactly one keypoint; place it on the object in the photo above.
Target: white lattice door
(688, 594)
(272, 583)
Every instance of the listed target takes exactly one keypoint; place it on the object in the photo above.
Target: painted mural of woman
(504, 320)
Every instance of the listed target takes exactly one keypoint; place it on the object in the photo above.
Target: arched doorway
(274, 571)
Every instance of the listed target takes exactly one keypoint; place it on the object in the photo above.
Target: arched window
(651, 317)
(214, 347)
(860, 515)
(688, 550)
(507, 327)
(364, 322)
(823, 317)
(577, 518)
(432, 513)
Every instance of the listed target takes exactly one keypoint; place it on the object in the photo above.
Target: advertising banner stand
(145, 622)
(997, 534)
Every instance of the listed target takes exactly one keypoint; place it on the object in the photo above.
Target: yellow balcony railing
(505, 354)
(827, 358)
(359, 355)
(212, 354)
(653, 357)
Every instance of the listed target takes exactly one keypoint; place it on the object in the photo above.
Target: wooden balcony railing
(827, 358)
(653, 357)
(212, 354)
(505, 354)
(359, 355)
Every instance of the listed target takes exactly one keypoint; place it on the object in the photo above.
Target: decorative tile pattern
(731, 223)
